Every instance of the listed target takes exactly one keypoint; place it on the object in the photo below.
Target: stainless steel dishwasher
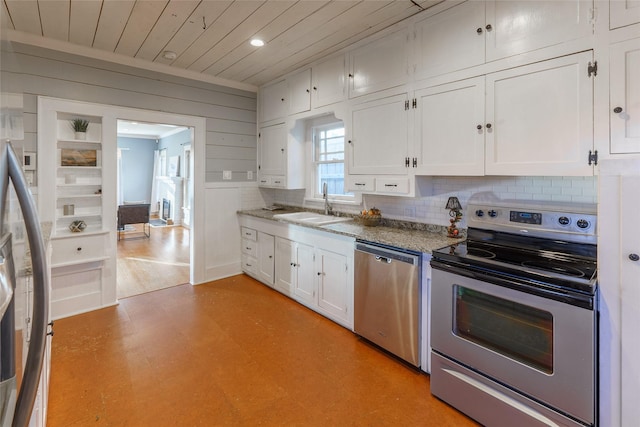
(387, 299)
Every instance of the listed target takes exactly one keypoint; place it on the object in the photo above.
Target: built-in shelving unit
(76, 174)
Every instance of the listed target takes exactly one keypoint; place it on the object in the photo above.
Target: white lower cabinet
(313, 267)
(266, 260)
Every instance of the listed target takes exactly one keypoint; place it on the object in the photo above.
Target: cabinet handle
(617, 110)
(350, 142)
(315, 88)
(350, 75)
(488, 27)
(270, 256)
(479, 30)
(248, 248)
(488, 125)
(359, 184)
(282, 149)
(391, 185)
(634, 257)
(282, 99)
(320, 273)
(78, 249)
(308, 91)
(479, 127)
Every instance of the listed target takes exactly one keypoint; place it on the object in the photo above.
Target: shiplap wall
(230, 113)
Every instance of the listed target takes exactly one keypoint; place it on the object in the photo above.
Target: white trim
(62, 46)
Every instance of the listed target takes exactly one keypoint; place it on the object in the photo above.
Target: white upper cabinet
(624, 109)
(451, 40)
(272, 150)
(623, 13)
(517, 26)
(274, 101)
(539, 119)
(300, 92)
(379, 65)
(476, 32)
(379, 139)
(329, 81)
(449, 129)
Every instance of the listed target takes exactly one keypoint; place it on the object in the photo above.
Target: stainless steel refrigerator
(18, 383)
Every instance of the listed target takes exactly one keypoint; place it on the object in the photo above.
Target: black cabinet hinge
(593, 157)
(592, 69)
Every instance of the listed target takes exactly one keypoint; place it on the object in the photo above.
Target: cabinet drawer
(390, 185)
(361, 183)
(70, 251)
(278, 181)
(249, 264)
(264, 181)
(250, 247)
(249, 234)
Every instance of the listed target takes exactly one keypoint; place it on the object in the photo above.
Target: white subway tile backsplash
(430, 209)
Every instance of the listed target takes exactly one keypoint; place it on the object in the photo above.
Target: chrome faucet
(328, 209)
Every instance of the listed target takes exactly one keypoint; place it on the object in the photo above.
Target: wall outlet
(249, 175)
(226, 174)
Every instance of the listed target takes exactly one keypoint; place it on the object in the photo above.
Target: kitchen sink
(311, 218)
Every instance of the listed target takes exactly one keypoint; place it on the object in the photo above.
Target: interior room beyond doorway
(154, 172)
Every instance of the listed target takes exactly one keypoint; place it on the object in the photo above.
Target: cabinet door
(448, 141)
(623, 13)
(300, 92)
(305, 282)
(451, 40)
(328, 81)
(274, 102)
(381, 64)
(522, 26)
(625, 97)
(380, 137)
(265, 258)
(630, 300)
(285, 266)
(273, 140)
(332, 283)
(541, 118)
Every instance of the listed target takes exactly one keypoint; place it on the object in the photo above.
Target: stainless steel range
(513, 330)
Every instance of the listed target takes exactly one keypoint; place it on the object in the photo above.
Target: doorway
(154, 170)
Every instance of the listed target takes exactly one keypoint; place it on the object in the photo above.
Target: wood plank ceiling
(211, 37)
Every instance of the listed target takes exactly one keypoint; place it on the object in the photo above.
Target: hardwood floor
(158, 262)
(229, 353)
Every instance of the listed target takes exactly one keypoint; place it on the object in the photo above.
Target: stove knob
(582, 223)
(479, 213)
(563, 220)
(492, 213)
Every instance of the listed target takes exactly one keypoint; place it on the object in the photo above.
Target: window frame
(315, 192)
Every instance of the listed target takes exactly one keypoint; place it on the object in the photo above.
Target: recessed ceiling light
(169, 54)
(256, 42)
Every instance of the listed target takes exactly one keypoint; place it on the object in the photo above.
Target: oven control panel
(533, 221)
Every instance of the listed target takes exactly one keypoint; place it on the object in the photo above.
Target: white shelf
(79, 196)
(80, 167)
(81, 141)
(62, 233)
(79, 216)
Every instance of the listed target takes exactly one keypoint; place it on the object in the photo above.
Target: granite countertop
(407, 235)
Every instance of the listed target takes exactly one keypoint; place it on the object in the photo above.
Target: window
(328, 160)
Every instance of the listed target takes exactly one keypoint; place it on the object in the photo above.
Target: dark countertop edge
(401, 234)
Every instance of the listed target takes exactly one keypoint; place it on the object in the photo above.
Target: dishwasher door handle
(383, 259)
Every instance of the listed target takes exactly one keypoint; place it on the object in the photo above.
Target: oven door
(540, 347)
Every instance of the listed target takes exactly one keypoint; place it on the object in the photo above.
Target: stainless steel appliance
(387, 299)
(513, 330)
(17, 401)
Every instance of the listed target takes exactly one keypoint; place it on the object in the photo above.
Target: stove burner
(480, 253)
(555, 268)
